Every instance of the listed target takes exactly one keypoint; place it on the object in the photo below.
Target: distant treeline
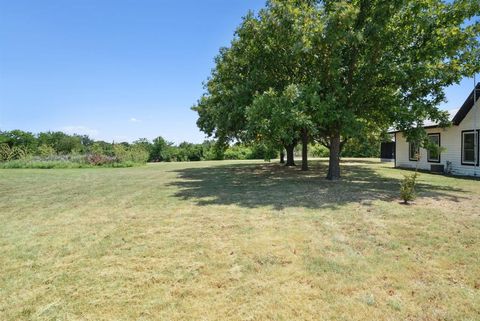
(57, 146)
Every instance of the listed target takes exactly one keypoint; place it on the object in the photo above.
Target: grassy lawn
(237, 241)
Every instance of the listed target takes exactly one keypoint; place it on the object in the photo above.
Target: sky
(117, 70)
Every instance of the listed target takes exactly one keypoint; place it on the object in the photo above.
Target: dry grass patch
(237, 241)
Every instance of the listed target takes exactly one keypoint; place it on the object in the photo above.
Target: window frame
(409, 152)
(477, 136)
(430, 160)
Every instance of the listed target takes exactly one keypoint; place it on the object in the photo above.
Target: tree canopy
(357, 66)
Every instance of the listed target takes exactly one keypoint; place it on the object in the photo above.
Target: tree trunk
(290, 149)
(334, 160)
(304, 150)
(282, 156)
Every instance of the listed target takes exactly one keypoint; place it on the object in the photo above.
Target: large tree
(361, 66)
(383, 63)
(280, 119)
(265, 55)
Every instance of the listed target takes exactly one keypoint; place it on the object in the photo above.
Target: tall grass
(17, 157)
(60, 164)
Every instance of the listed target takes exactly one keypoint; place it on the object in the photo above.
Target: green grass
(239, 240)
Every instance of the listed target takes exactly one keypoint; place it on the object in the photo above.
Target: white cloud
(80, 130)
(134, 120)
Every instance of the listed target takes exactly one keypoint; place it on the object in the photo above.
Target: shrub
(261, 151)
(319, 151)
(99, 160)
(138, 154)
(135, 154)
(46, 150)
(8, 153)
(120, 152)
(237, 152)
(5, 152)
(407, 187)
(363, 146)
(97, 149)
(185, 152)
(212, 150)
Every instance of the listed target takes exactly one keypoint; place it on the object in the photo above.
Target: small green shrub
(407, 187)
(237, 152)
(46, 150)
(319, 151)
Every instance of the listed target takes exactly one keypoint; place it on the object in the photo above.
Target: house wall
(450, 140)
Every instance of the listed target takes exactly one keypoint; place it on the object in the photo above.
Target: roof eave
(466, 107)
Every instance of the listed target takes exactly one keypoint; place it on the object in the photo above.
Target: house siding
(451, 142)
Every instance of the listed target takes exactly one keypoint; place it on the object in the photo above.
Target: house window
(469, 140)
(433, 154)
(413, 152)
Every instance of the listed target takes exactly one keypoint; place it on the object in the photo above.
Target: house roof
(466, 107)
(451, 114)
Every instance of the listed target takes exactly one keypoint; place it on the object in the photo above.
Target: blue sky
(116, 69)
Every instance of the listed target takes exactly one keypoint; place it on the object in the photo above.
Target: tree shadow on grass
(269, 184)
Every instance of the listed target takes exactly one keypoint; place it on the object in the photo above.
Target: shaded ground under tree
(269, 184)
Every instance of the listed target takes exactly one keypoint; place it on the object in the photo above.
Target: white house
(460, 152)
